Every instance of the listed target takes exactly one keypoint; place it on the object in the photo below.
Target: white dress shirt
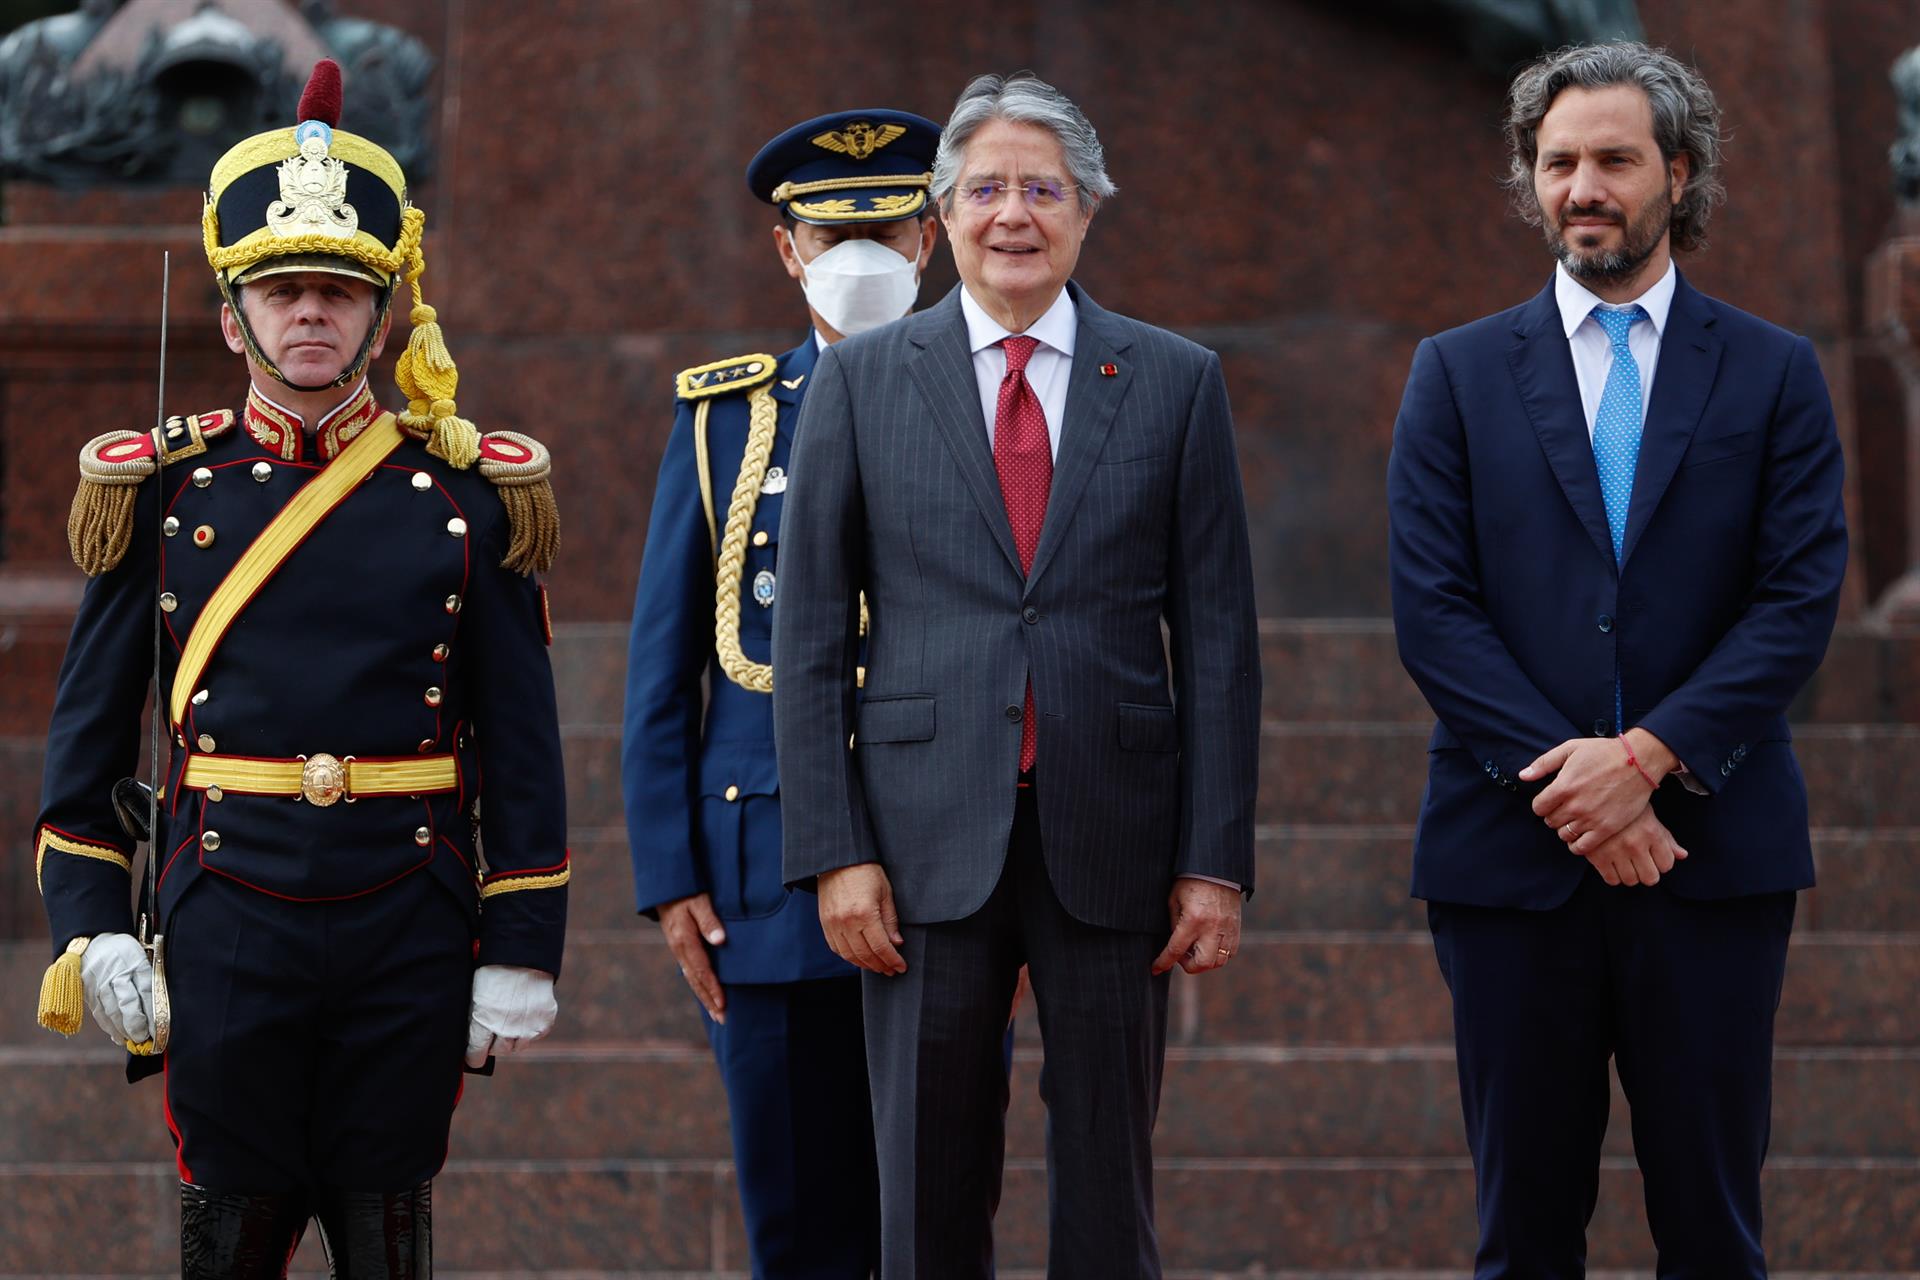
(1593, 350)
(1047, 371)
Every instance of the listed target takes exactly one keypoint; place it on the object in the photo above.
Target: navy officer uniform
(352, 656)
(702, 789)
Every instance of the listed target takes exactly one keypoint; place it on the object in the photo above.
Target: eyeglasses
(1041, 193)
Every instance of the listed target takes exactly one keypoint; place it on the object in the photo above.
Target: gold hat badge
(859, 139)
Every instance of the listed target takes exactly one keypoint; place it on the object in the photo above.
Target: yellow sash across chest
(286, 531)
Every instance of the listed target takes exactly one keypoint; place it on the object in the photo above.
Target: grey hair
(1022, 98)
(1686, 121)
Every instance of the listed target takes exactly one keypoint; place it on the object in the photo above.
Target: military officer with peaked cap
(702, 793)
(352, 659)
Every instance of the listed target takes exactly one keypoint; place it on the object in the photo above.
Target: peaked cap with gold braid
(316, 198)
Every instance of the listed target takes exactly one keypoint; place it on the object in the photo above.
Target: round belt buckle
(323, 779)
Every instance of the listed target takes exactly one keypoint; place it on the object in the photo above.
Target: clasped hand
(1599, 806)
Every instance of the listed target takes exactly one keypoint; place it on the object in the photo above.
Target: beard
(1611, 266)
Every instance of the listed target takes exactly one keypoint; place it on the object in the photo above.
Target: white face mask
(859, 285)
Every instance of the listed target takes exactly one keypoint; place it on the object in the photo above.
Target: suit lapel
(1542, 368)
(1093, 398)
(1689, 359)
(942, 370)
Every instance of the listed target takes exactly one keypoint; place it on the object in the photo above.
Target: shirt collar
(1577, 302)
(1056, 328)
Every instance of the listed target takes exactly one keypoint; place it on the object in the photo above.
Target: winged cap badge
(313, 189)
(859, 139)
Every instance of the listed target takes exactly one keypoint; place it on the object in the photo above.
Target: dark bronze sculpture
(1500, 33)
(1905, 153)
(125, 92)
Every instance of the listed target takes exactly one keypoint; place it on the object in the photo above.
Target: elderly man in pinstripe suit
(1026, 487)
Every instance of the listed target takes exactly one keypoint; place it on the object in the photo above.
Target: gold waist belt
(320, 778)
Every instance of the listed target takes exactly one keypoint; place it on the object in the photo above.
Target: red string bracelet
(1634, 760)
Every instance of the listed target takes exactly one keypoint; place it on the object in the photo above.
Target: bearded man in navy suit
(1617, 548)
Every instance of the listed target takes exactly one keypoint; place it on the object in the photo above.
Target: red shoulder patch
(494, 449)
(128, 450)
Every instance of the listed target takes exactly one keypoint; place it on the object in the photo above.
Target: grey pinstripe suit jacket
(1147, 748)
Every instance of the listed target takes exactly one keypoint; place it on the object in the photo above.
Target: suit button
(760, 538)
(1013, 711)
(1606, 622)
(1726, 769)
(210, 841)
(1030, 614)
(1602, 728)
(1740, 752)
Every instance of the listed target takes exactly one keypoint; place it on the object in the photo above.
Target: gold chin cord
(150, 936)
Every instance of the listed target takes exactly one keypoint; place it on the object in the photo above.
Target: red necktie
(1023, 456)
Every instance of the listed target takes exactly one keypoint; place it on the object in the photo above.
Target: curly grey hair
(1686, 121)
(1022, 98)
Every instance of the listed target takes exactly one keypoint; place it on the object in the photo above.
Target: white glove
(512, 1007)
(118, 980)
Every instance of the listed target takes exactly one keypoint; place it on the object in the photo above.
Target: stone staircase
(1310, 1124)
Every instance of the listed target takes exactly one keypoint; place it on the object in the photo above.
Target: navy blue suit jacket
(702, 791)
(1511, 613)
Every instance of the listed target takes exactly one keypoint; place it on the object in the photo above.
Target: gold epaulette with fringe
(520, 467)
(723, 377)
(100, 525)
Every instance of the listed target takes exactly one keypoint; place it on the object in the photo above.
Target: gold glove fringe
(763, 417)
(533, 514)
(62, 997)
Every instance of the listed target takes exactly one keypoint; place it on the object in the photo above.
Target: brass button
(422, 481)
(733, 793)
(215, 794)
(422, 837)
(440, 652)
(203, 536)
(453, 603)
(200, 698)
(210, 840)
(167, 602)
(202, 477)
(180, 738)
(433, 696)
(760, 538)
(205, 741)
(426, 745)
(170, 526)
(175, 432)
(263, 471)
(457, 527)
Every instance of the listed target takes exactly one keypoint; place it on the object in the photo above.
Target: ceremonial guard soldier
(702, 793)
(351, 658)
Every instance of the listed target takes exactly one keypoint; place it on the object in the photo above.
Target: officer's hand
(118, 980)
(1640, 854)
(512, 1007)
(857, 915)
(691, 927)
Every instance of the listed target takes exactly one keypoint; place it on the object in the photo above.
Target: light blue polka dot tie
(1616, 424)
(1616, 446)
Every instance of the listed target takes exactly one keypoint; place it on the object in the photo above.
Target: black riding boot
(227, 1235)
(378, 1235)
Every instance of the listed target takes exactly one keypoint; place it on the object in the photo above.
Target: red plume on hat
(321, 101)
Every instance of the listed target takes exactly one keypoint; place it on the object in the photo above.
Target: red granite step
(1341, 669)
(1240, 1216)
(1355, 878)
(581, 1102)
(1338, 989)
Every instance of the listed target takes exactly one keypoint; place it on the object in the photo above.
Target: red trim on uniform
(338, 897)
(566, 857)
(88, 840)
(173, 1127)
(458, 856)
(171, 859)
